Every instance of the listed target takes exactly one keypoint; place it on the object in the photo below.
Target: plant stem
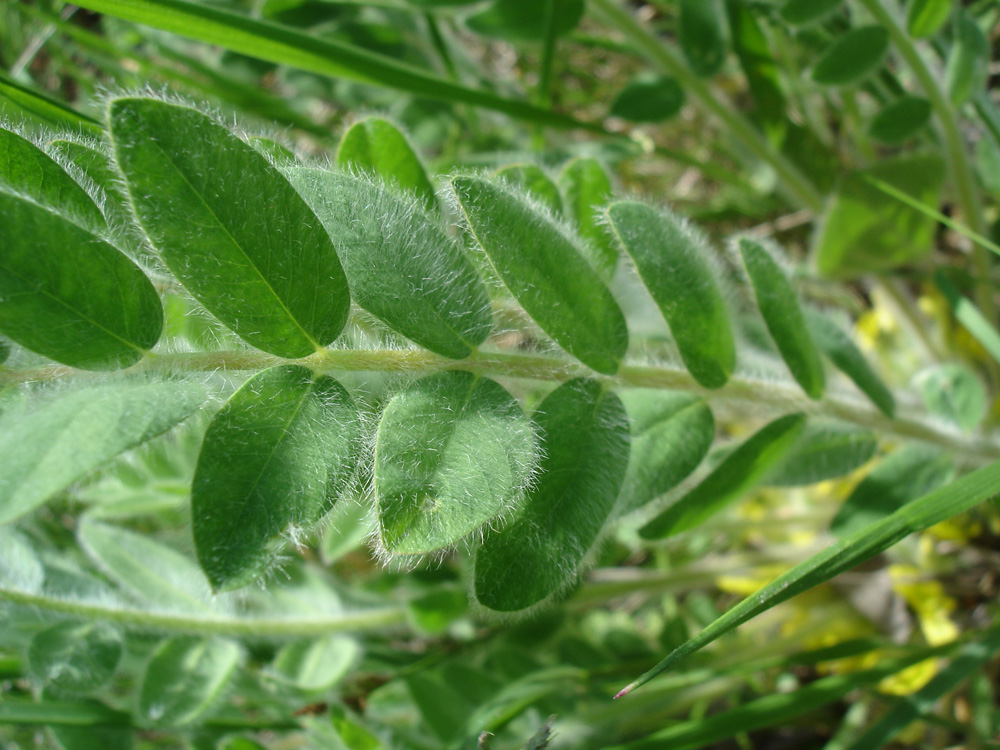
(249, 627)
(743, 395)
(967, 193)
(797, 185)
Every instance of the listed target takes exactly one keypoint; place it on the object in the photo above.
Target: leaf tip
(624, 691)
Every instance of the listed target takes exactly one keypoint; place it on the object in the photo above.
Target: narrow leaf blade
(672, 263)
(779, 306)
(237, 235)
(545, 272)
(740, 471)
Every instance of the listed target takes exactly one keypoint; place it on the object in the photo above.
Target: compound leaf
(545, 271)
(68, 294)
(274, 459)
(374, 145)
(237, 235)
(184, 677)
(671, 433)
(779, 306)
(402, 266)
(454, 451)
(585, 438)
(44, 449)
(671, 261)
(739, 472)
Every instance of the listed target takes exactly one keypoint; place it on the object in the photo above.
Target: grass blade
(863, 544)
(286, 46)
(40, 107)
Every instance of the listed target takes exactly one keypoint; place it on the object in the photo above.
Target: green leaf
(88, 738)
(316, 664)
(673, 263)
(803, 12)
(824, 450)
(736, 475)
(20, 568)
(434, 611)
(518, 20)
(97, 166)
(864, 230)
(376, 146)
(753, 49)
(701, 35)
(39, 107)
(69, 295)
(971, 657)
(28, 171)
(671, 433)
(925, 17)
(532, 179)
(649, 98)
(45, 449)
(238, 236)
(839, 349)
(967, 69)
(442, 708)
(402, 266)
(4, 350)
(75, 657)
(779, 709)
(274, 460)
(286, 46)
(844, 554)
(545, 271)
(909, 473)
(584, 435)
(900, 119)
(953, 392)
(184, 677)
(969, 315)
(155, 573)
(852, 57)
(586, 187)
(779, 306)
(454, 451)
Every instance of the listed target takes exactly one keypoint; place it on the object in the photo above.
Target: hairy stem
(743, 395)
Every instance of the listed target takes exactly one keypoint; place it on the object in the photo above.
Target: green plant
(530, 384)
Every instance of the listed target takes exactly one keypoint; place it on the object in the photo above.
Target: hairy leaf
(852, 57)
(671, 260)
(316, 664)
(374, 145)
(839, 349)
(237, 235)
(586, 187)
(28, 171)
(184, 677)
(402, 266)
(585, 438)
(545, 272)
(274, 460)
(779, 306)
(75, 656)
(535, 182)
(953, 392)
(44, 449)
(738, 473)
(454, 451)
(671, 433)
(909, 473)
(69, 295)
(824, 450)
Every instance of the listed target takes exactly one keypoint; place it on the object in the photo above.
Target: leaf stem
(248, 627)
(743, 395)
(797, 185)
